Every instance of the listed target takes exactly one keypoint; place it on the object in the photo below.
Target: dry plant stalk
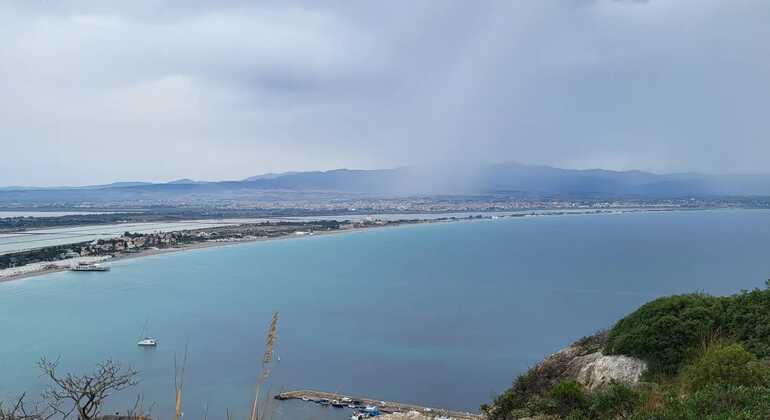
(267, 359)
(179, 384)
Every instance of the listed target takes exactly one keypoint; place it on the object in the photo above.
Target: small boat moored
(147, 342)
(82, 266)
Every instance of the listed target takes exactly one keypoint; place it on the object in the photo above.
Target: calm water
(442, 315)
(37, 238)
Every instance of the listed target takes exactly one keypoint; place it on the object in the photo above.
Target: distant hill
(517, 178)
(504, 179)
(116, 185)
(268, 176)
(186, 181)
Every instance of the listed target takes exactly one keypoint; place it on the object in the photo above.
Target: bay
(445, 314)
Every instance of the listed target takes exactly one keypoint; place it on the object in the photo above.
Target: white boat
(147, 342)
(89, 267)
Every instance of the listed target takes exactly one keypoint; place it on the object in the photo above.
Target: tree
(85, 394)
(19, 411)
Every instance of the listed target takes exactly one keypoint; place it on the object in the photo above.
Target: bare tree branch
(84, 394)
(21, 412)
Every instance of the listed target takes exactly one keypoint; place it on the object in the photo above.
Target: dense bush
(715, 402)
(665, 331)
(567, 400)
(515, 398)
(725, 380)
(747, 320)
(725, 364)
(569, 396)
(617, 401)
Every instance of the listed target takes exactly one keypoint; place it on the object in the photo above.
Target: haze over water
(440, 315)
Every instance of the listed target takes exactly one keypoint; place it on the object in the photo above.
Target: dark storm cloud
(100, 90)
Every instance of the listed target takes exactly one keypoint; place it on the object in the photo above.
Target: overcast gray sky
(97, 91)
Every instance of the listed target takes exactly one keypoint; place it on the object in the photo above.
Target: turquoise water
(441, 315)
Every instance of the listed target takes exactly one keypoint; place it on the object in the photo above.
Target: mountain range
(507, 178)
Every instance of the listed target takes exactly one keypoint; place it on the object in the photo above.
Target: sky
(107, 90)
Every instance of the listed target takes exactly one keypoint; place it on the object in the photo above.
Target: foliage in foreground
(83, 396)
(707, 357)
(667, 332)
(725, 364)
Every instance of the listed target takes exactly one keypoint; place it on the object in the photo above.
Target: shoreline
(64, 265)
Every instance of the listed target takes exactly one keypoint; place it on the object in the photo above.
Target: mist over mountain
(510, 179)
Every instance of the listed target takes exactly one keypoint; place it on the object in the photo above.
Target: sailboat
(147, 341)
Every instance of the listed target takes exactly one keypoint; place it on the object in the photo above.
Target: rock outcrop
(603, 370)
(585, 363)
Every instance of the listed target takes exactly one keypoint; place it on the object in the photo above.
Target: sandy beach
(42, 268)
(45, 267)
(48, 267)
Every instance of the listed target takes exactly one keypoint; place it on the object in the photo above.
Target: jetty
(386, 407)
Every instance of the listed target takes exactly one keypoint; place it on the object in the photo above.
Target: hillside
(509, 179)
(680, 357)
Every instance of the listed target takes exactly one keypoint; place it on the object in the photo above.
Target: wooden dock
(384, 406)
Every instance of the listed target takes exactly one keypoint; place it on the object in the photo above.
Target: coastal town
(128, 244)
(40, 260)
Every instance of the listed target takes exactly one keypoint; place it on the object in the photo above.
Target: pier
(385, 407)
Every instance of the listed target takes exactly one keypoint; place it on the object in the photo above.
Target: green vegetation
(568, 397)
(666, 332)
(725, 364)
(707, 359)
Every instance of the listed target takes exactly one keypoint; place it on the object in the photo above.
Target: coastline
(64, 265)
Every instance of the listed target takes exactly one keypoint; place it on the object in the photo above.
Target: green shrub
(747, 320)
(734, 402)
(725, 364)
(526, 393)
(569, 397)
(617, 401)
(724, 381)
(513, 399)
(665, 331)
(539, 405)
(716, 402)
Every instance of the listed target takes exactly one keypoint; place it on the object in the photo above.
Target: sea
(442, 315)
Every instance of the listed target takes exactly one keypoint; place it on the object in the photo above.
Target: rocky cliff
(585, 363)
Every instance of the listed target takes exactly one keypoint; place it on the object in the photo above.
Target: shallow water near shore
(440, 315)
